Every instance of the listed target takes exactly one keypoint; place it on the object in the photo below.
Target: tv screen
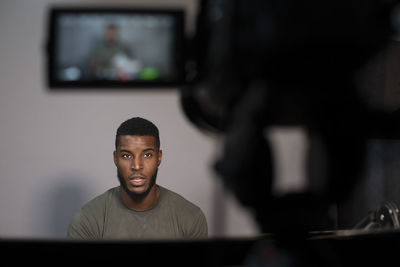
(115, 47)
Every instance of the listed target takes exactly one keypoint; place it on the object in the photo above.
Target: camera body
(257, 64)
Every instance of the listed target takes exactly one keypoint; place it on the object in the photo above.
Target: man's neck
(141, 204)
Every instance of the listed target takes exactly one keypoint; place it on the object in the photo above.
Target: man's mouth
(137, 180)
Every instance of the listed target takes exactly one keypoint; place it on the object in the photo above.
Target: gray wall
(56, 147)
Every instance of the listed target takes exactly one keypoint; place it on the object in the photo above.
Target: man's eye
(148, 155)
(126, 156)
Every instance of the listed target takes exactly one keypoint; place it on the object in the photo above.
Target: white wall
(56, 147)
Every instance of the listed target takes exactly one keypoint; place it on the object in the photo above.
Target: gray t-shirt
(106, 217)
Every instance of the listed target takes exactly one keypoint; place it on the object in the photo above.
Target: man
(139, 207)
(112, 59)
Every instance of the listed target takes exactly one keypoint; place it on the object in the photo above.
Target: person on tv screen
(138, 208)
(111, 59)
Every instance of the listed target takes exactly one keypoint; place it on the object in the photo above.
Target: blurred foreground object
(258, 64)
(385, 217)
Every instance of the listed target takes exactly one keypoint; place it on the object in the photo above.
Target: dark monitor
(118, 47)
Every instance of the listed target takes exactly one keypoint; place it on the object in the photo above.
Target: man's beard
(133, 195)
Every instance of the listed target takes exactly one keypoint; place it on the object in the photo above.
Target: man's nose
(137, 163)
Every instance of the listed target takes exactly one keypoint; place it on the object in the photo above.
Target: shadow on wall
(64, 200)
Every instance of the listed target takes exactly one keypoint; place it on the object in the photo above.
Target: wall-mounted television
(115, 47)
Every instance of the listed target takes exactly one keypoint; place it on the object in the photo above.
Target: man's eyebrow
(144, 150)
(125, 150)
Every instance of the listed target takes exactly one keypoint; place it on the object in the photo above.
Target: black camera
(257, 64)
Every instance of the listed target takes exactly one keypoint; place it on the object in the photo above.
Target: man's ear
(115, 157)
(159, 157)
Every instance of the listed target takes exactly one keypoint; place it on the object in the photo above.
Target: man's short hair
(137, 126)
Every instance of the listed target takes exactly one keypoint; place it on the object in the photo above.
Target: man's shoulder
(192, 219)
(88, 221)
(100, 201)
(178, 201)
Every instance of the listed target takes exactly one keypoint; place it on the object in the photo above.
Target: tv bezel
(51, 47)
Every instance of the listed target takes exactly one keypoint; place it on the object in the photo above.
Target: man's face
(137, 159)
(111, 34)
